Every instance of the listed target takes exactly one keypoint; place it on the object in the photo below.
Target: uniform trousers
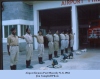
(29, 51)
(71, 43)
(66, 43)
(62, 44)
(51, 48)
(56, 45)
(40, 50)
(14, 53)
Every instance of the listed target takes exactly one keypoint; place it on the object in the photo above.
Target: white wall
(41, 5)
(17, 21)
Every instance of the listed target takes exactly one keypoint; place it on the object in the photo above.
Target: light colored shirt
(71, 36)
(12, 40)
(67, 36)
(56, 37)
(62, 36)
(40, 39)
(28, 38)
(49, 37)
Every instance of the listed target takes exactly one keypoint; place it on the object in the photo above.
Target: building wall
(14, 11)
(17, 10)
(22, 47)
(4, 47)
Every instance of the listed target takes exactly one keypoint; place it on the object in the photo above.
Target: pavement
(88, 60)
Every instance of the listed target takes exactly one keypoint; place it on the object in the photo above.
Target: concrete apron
(85, 61)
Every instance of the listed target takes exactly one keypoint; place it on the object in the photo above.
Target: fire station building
(44, 15)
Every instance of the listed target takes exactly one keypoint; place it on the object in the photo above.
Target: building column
(36, 26)
(3, 31)
(75, 28)
(19, 31)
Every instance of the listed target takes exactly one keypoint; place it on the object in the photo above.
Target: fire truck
(94, 32)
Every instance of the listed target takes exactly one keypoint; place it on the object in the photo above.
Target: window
(7, 30)
(23, 29)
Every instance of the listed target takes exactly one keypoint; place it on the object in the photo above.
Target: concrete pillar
(19, 30)
(3, 31)
(75, 29)
(36, 26)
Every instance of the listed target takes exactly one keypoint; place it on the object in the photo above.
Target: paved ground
(86, 61)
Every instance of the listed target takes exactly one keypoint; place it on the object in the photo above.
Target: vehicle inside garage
(87, 14)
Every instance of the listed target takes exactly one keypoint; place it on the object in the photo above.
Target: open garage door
(55, 19)
(86, 14)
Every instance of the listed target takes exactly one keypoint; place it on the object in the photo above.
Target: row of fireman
(53, 44)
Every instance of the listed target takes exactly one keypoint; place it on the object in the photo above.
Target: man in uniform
(13, 48)
(71, 35)
(56, 44)
(66, 41)
(40, 41)
(62, 37)
(29, 47)
(50, 44)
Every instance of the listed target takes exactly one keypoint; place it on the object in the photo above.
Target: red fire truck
(94, 32)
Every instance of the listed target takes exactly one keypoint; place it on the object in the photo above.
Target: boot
(28, 64)
(71, 49)
(50, 56)
(14, 66)
(66, 50)
(40, 60)
(56, 54)
(61, 52)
